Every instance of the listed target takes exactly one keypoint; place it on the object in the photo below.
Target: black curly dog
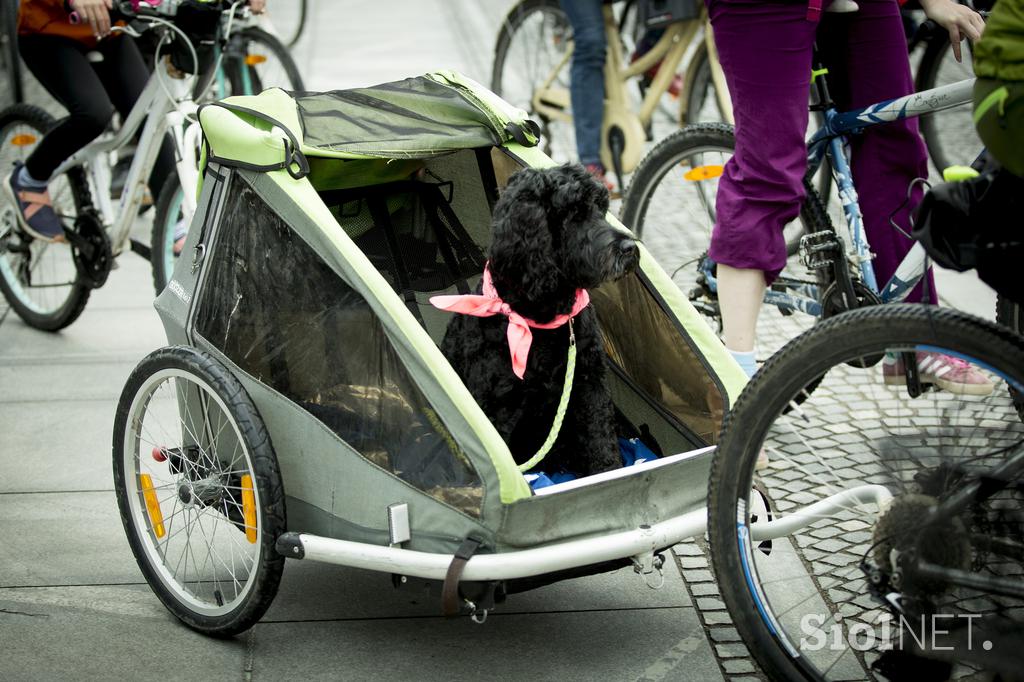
(550, 239)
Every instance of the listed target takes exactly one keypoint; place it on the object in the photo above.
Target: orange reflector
(249, 509)
(23, 139)
(254, 59)
(156, 517)
(698, 173)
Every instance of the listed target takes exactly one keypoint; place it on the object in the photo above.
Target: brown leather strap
(450, 605)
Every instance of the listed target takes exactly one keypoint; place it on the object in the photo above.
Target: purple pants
(765, 49)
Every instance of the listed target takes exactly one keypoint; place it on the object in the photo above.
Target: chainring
(90, 247)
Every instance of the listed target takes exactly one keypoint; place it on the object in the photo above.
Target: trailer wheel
(199, 491)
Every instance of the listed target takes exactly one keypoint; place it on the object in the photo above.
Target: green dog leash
(563, 405)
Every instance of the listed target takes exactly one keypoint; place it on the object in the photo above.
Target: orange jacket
(49, 17)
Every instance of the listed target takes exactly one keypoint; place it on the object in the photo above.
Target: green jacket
(1000, 52)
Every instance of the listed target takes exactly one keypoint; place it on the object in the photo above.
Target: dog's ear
(523, 266)
(578, 192)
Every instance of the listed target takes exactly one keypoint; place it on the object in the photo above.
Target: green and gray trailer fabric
(326, 221)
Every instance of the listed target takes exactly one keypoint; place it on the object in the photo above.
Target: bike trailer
(325, 223)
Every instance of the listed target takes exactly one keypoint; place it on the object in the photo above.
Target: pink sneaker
(597, 170)
(945, 371)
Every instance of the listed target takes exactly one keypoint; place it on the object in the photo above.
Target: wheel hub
(202, 492)
(185, 494)
(902, 533)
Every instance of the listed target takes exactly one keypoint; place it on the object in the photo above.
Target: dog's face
(551, 237)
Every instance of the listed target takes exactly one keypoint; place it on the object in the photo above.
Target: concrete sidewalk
(73, 603)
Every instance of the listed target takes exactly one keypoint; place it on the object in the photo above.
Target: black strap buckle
(450, 605)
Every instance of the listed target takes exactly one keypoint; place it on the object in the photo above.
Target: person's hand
(257, 6)
(961, 21)
(96, 12)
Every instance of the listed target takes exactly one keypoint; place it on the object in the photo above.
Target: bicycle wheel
(165, 225)
(39, 279)
(199, 490)
(701, 99)
(261, 62)
(532, 52)
(9, 57)
(949, 134)
(289, 20)
(670, 204)
(870, 566)
(1009, 314)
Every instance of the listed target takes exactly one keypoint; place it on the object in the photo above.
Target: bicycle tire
(40, 280)
(949, 135)
(680, 148)
(559, 138)
(259, 43)
(805, 567)
(165, 220)
(701, 90)
(202, 481)
(1010, 314)
(292, 38)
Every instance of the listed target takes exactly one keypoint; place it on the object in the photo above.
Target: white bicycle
(48, 284)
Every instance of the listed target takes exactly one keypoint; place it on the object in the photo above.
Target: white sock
(746, 359)
(28, 182)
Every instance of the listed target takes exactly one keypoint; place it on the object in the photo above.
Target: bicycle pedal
(820, 249)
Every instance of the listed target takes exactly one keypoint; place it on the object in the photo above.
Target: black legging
(90, 91)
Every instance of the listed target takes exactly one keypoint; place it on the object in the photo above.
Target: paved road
(72, 601)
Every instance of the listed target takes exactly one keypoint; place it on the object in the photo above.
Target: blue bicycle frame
(830, 141)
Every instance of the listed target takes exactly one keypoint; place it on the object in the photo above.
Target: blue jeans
(586, 87)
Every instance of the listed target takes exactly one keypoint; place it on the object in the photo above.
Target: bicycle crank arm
(141, 249)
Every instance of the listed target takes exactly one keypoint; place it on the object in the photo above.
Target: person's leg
(740, 293)
(885, 159)
(124, 75)
(61, 66)
(765, 51)
(586, 87)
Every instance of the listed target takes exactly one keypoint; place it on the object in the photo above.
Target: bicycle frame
(829, 142)
(551, 101)
(158, 112)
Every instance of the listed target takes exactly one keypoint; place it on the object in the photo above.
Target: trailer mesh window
(273, 307)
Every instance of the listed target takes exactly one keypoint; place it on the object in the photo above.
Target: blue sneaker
(35, 209)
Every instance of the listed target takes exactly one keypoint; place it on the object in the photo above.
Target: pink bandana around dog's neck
(519, 335)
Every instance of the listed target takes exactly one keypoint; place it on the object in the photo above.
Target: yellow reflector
(249, 509)
(698, 173)
(156, 517)
(23, 139)
(254, 59)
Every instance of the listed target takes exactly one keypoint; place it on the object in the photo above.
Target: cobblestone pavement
(854, 430)
(734, 660)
